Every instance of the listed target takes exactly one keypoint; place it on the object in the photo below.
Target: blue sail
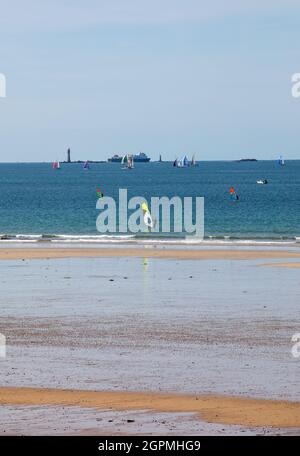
(185, 161)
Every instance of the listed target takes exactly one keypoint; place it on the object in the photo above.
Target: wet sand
(89, 337)
(224, 410)
(74, 420)
(165, 253)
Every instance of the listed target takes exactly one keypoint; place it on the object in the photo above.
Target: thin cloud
(79, 13)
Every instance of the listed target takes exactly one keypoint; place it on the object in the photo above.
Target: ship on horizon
(139, 158)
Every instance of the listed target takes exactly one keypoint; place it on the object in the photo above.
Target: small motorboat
(262, 181)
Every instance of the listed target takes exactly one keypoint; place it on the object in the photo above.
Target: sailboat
(183, 162)
(56, 165)
(124, 161)
(86, 165)
(233, 194)
(281, 161)
(193, 162)
(130, 163)
(175, 162)
(127, 162)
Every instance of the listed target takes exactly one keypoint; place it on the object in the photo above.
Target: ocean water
(51, 205)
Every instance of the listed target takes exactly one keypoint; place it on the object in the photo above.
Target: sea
(40, 204)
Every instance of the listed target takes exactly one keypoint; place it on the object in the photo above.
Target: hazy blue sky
(206, 77)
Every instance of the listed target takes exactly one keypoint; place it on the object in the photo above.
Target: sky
(170, 77)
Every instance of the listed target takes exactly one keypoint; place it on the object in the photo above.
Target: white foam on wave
(90, 236)
(126, 238)
(19, 241)
(249, 241)
(29, 236)
(85, 241)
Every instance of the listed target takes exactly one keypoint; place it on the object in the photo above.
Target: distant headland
(80, 161)
(140, 158)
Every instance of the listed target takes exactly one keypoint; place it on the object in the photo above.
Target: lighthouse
(69, 156)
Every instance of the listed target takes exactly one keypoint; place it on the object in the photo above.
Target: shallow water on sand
(145, 324)
(55, 420)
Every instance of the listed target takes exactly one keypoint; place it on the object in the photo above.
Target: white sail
(124, 159)
(130, 162)
(183, 162)
(180, 163)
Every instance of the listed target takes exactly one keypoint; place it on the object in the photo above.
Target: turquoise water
(35, 199)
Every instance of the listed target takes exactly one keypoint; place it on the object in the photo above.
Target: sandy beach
(150, 252)
(215, 409)
(134, 340)
(283, 265)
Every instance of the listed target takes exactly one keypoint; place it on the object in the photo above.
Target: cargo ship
(139, 158)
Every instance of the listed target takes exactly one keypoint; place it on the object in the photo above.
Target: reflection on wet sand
(217, 328)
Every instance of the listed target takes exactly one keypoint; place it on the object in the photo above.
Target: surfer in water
(147, 216)
(99, 193)
(233, 194)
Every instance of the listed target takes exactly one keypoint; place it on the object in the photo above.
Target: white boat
(124, 162)
(56, 165)
(193, 162)
(182, 163)
(127, 162)
(130, 163)
(262, 181)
